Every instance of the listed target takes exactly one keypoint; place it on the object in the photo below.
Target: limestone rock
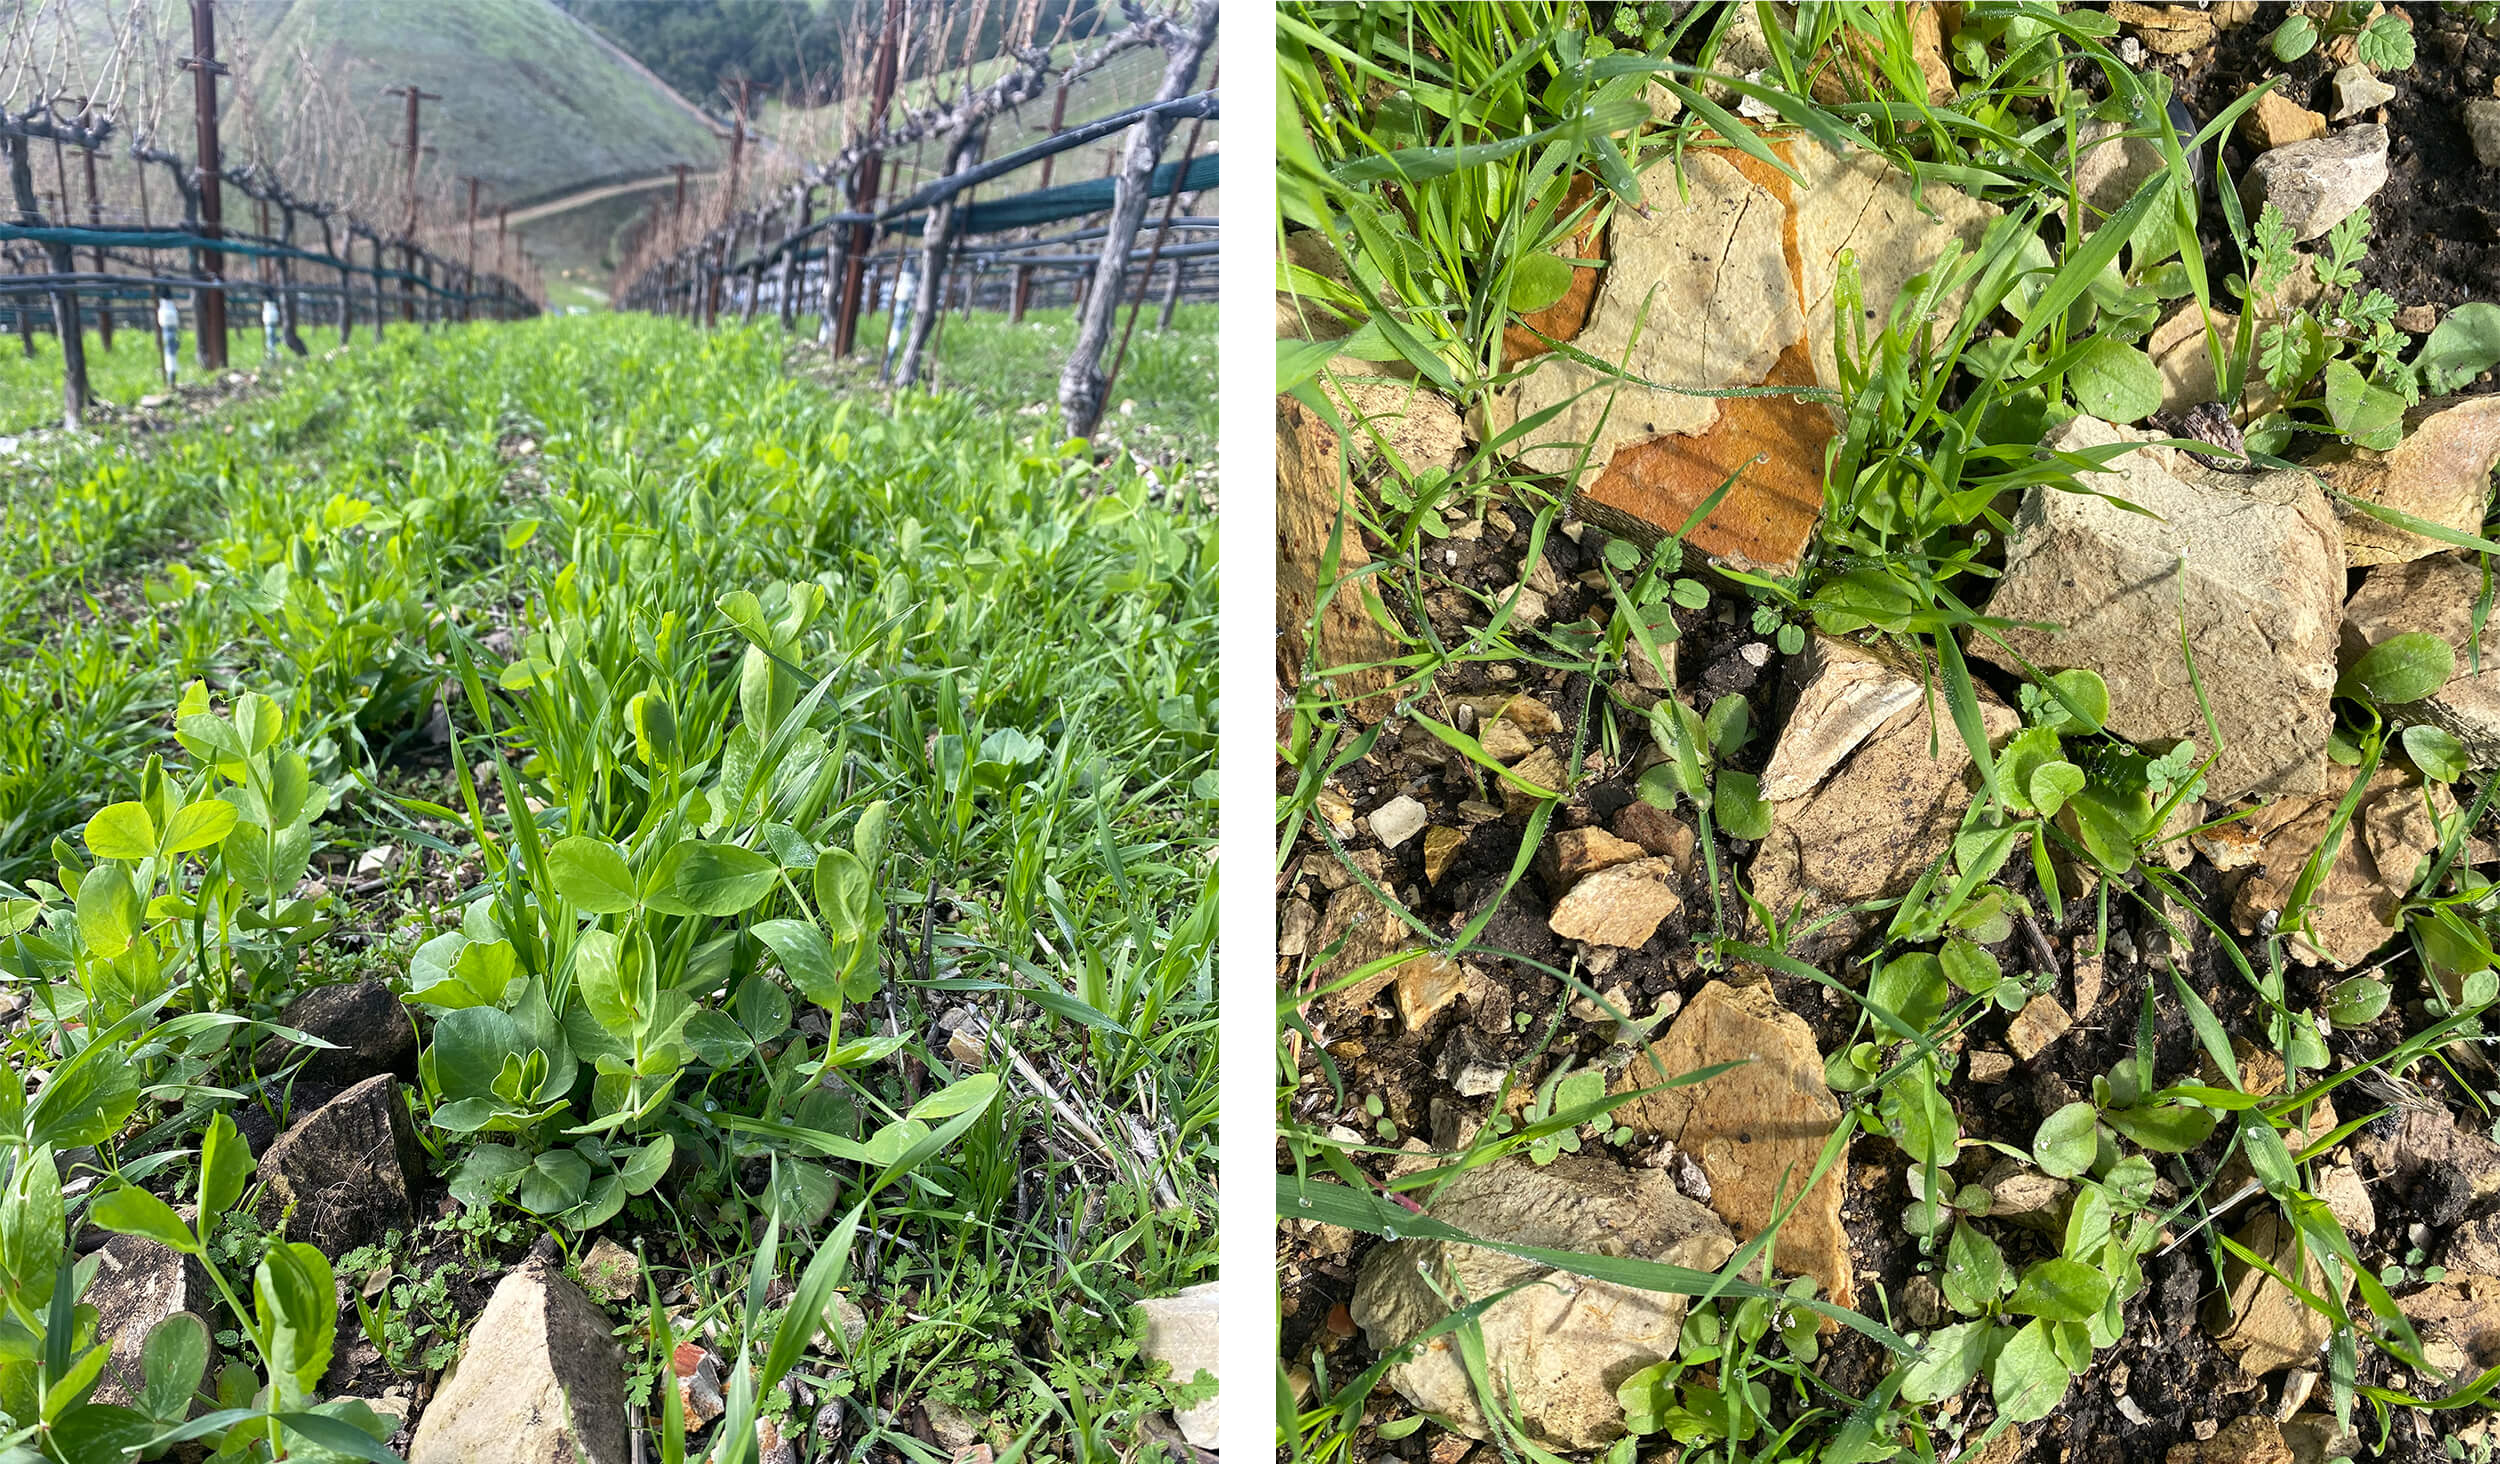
(1846, 693)
(1441, 845)
(2258, 1320)
(1620, 905)
(1542, 768)
(697, 1372)
(2255, 1439)
(1370, 931)
(1310, 493)
(2354, 909)
(2463, 1311)
(2474, 1246)
(2357, 91)
(2437, 595)
(2040, 1022)
(1398, 820)
(2482, 128)
(1181, 1330)
(2440, 472)
(1426, 985)
(369, 1031)
(2278, 121)
(139, 1283)
(1761, 314)
(1561, 1343)
(612, 1273)
(2109, 168)
(538, 1382)
(1657, 832)
(1872, 825)
(344, 1176)
(2264, 567)
(1749, 1125)
(1579, 853)
(2316, 1438)
(2316, 183)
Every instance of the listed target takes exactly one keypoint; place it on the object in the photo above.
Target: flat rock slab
(2264, 567)
(369, 1029)
(1621, 905)
(1182, 1329)
(2437, 595)
(2356, 908)
(1560, 1344)
(139, 1283)
(2441, 472)
(1880, 805)
(343, 1177)
(1753, 1128)
(538, 1382)
(1727, 282)
(2316, 183)
(1310, 493)
(2262, 1323)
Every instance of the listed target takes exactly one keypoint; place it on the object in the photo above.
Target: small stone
(1337, 811)
(2315, 184)
(1529, 608)
(1542, 768)
(1398, 820)
(1425, 986)
(611, 1272)
(2278, 121)
(1987, 1065)
(1618, 906)
(340, 1178)
(2418, 319)
(2316, 1438)
(1647, 674)
(2022, 1195)
(2348, 1199)
(538, 1382)
(2462, 1311)
(1579, 853)
(1758, 1129)
(1565, 1340)
(2357, 91)
(956, 1428)
(2255, 1439)
(1657, 832)
(1524, 712)
(2258, 1320)
(1924, 1299)
(2091, 971)
(1441, 845)
(1294, 928)
(2298, 1384)
(2040, 1022)
(1470, 1070)
(2440, 473)
(368, 1029)
(1182, 1330)
(1504, 742)
(2482, 127)
(698, 1384)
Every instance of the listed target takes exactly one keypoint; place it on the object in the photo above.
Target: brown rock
(2255, 1439)
(1620, 905)
(2440, 472)
(1657, 832)
(369, 1030)
(2040, 1022)
(2463, 1311)
(1370, 931)
(341, 1178)
(1440, 847)
(1504, 743)
(1755, 1128)
(1844, 693)
(1426, 985)
(2437, 595)
(1989, 1066)
(1579, 853)
(2278, 121)
(138, 1284)
(1565, 1341)
(2258, 1320)
(2263, 565)
(2355, 908)
(1524, 712)
(2474, 1246)
(1871, 827)
(1855, 74)
(1310, 495)
(1542, 768)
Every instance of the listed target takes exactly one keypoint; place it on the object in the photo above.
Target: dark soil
(2435, 227)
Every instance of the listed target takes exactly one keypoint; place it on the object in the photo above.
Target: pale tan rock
(2255, 1439)
(2168, 30)
(2040, 1022)
(2021, 1195)
(2263, 561)
(1441, 845)
(2109, 168)
(1310, 495)
(539, 1381)
(1858, 202)
(1990, 1066)
(1757, 1130)
(1846, 692)
(2349, 1200)
(2440, 472)
(2462, 1310)
(1504, 743)
(1559, 1344)
(2258, 1320)
(2278, 121)
(1529, 715)
(1182, 1330)
(2317, 183)
(2355, 909)
(1873, 825)
(1542, 768)
(1370, 931)
(1620, 905)
(1579, 853)
(2316, 1438)
(1855, 74)
(1426, 985)
(2437, 595)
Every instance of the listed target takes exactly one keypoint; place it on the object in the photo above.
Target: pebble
(2357, 91)
(2482, 126)
(1398, 820)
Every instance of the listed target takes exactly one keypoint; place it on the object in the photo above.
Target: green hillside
(534, 103)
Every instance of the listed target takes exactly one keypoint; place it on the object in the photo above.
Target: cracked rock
(538, 1382)
(1560, 1344)
(2263, 562)
(341, 1177)
(2437, 595)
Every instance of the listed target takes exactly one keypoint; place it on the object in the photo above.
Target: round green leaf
(590, 872)
(698, 877)
(1538, 281)
(199, 825)
(2436, 751)
(2116, 381)
(122, 831)
(2064, 1145)
(1739, 806)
